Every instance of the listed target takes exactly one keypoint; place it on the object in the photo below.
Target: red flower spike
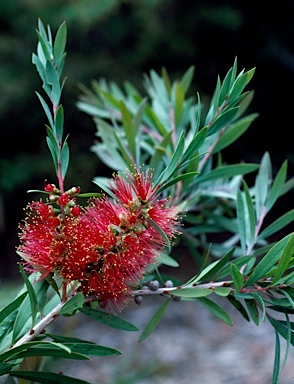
(106, 248)
(113, 243)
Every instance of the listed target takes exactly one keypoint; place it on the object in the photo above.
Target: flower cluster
(107, 246)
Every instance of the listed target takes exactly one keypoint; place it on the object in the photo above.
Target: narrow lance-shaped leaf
(46, 109)
(187, 79)
(216, 310)
(60, 43)
(277, 186)
(253, 310)
(222, 121)
(237, 277)
(277, 225)
(179, 99)
(11, 307)
(128, 128)
(154, 321)
(262, 183)
(46, 377)
(284, 260)
(268, 261)
(59, 122)
(108, 320)
(64, 159)
(240, 84)
(72, 304)
(174, 162)
(195, 144)
(32, 295)
(276, 368)
(227, 171)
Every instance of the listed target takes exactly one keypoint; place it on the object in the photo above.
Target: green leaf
(222, 121)
(240, 83)
(276, 370)
(128, 128)
(236, 303)
(237, 277)
(222, 291)
(41, 348)
(5, 368)
(268, 261)
(233, 132)
(53, 81)
(187, 78)
(239, 262)
(161, 232)
(127, 158)
(32, 295)
(154, 321)
(176, 180)
(246, 219)
(227, 171)
(282, 328)
(174, 162)
(160, 152)
(277, 225)
(284, 260)
(216, 310)
(167, 260)
(59, 122)
(11, 307)
(192, 292)
(108, 320)
(253, 310)
(46, 109)
(211, 270)
(64, 159)
(262, 184)
(74, 303)
(179, 97)
(60, 43)
(226, 86)
(46, 49)
(53, 147)
(195, 144)
(92, 349)
(276, 189)
(46, 377)
(40, 287)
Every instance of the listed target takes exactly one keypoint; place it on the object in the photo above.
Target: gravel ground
(190, 345)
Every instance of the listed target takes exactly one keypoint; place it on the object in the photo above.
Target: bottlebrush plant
(170, 188)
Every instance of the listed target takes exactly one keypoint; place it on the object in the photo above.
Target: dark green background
(121, 40)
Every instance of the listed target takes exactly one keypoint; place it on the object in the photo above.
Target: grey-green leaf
(154, 321)
(216, 310)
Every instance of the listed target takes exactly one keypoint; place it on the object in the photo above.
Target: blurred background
(120, 40)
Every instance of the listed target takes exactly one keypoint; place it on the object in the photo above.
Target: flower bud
(168, 284)
(153, 285)
(176, 298)
(76, 211)
(138, 299)
(63, 199)
(53, 198)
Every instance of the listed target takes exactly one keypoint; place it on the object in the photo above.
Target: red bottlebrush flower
(41, 241)
(105, 248)
(114, 242)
